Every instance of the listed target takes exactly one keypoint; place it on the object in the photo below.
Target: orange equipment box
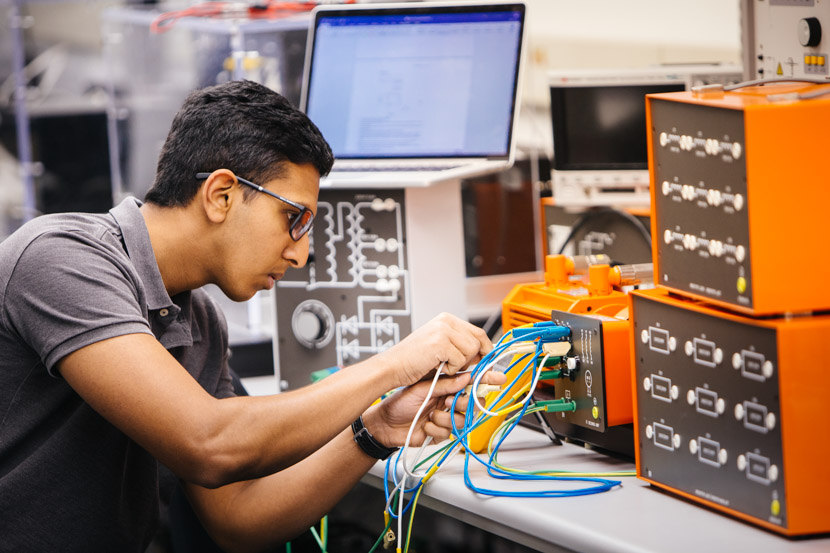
(739, 189)
(595, 373)
(730, 411)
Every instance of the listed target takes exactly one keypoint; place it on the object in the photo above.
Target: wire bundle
(527, 346)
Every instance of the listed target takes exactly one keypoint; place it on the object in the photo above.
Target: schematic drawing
(352, 299)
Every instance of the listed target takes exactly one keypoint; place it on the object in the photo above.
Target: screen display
(601, 127)
(415, 83)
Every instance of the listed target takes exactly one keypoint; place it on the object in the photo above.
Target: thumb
(451, 385)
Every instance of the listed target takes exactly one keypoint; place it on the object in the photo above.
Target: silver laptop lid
(403, 81)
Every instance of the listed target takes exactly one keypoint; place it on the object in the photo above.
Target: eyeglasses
(299, 224)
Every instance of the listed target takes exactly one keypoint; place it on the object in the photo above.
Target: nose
(296, 253)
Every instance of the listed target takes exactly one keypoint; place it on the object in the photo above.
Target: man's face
(258, 248)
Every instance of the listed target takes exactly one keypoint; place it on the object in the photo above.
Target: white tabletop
(635, 518)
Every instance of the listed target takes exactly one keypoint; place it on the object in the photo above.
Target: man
(112, 358)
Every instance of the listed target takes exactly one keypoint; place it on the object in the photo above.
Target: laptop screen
(404, 82)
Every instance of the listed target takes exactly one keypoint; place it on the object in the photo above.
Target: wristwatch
(370, 446)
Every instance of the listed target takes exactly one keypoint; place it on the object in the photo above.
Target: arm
(256, 515)
(134, 383)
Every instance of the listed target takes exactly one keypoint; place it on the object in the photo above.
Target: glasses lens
(301, 224)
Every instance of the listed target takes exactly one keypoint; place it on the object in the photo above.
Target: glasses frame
(295, 229)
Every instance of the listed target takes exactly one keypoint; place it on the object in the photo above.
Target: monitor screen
(415, 83)
(601, 127)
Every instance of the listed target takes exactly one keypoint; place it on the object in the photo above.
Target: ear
(217, 194)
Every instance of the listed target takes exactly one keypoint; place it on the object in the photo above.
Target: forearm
(134, 383)
(257, 515)
(258, 436)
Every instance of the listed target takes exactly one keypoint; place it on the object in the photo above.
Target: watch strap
(367, 443)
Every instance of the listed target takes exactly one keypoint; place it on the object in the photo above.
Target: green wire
(323, 545)
(324, 529)
(288, 547)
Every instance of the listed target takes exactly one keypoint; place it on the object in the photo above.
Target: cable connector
(482, 390)
(550, 375)
(544, 332)
(558, 405)
(389, 540)
(556, 349)
(553, 333)
(520, 349)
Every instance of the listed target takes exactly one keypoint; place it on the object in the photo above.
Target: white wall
(564, 34)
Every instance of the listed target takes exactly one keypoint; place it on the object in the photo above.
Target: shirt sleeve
(69, 290)
(216, 377)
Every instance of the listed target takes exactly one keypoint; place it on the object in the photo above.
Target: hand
(390, 420)
(444, 339)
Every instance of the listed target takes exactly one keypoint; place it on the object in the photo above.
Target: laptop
(413, 94)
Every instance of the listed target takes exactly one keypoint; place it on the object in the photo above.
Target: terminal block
(728, 408)
(726, 183)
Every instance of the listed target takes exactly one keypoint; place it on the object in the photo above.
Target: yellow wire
(411, 518)
(514, 397)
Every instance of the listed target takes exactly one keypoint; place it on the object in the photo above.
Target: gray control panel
(700, 201)
(352, 299)
(709, 418)
(786, 38)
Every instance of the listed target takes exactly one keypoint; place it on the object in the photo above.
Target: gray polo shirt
(69, 480)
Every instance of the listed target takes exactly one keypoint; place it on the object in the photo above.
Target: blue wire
(394, 477)
(461, 434)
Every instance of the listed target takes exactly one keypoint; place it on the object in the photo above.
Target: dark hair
(242, 126)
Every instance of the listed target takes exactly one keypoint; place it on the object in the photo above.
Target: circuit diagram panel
(352, 298)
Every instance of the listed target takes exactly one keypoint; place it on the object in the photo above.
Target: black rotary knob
(809, 31)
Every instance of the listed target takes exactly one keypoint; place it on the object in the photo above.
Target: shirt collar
(181, 327)
(137, 242)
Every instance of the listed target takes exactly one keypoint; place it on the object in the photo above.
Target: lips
(272, 278)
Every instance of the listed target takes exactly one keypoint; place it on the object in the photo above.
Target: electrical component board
(785, 38)
(730, 171)
(371, 277)
(595, 372)
(730, 410)
(595, 376)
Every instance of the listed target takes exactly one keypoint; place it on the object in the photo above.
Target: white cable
(415, 422)
(480, 375)
(532, 389)
(400, 512)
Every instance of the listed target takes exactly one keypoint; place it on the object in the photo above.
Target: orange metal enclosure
(597, 313)
(739, 190)
(731, 411)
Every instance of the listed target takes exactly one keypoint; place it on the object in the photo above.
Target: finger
(460, 405)
(444, 419)
(438, 433)
(471, 340)
(484, 343)
(466, 339)
(455, 359)
(494, 377)
(451, 385)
